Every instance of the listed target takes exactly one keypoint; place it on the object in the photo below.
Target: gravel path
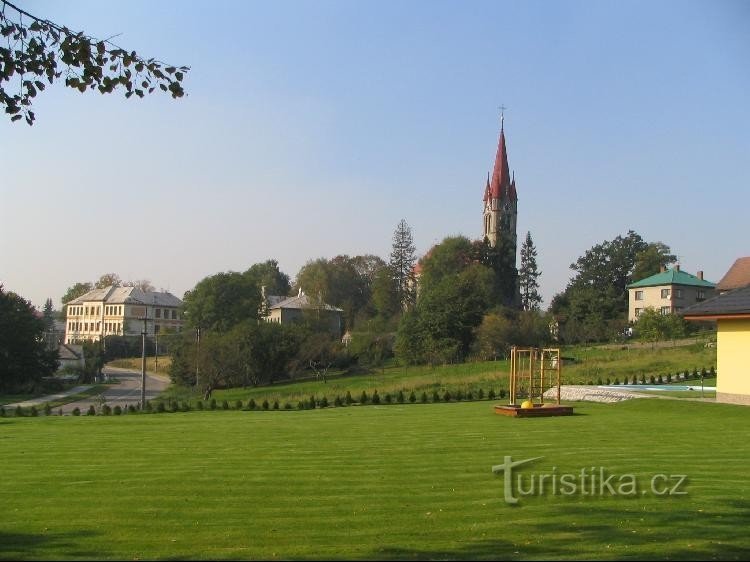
(572, 393)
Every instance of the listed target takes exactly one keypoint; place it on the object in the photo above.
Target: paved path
(573, 393)
(127, 391)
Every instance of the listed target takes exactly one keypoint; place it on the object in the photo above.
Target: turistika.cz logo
(588, 481)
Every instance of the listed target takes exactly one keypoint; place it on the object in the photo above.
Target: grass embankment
(590, 364)
(134, 364)
(384, 482)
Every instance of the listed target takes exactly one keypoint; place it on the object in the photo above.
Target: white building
(117, 311)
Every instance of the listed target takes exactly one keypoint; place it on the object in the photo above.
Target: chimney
(677, 267)
(662, 268)
(700, 275)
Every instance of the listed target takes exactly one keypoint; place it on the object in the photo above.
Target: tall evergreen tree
(402, 262)
(528, 276)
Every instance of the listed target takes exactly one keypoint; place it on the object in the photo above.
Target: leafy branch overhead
(41, 50)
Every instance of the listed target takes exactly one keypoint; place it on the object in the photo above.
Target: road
(126, 392)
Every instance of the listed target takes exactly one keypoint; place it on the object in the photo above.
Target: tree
(41, 49)
(221, 301)
(76, 291)
(142, 284)
(402, 262)
(650, 261)
(528, 276)
(385, 299)
(653, 326)
(108, 280)
(24, 357)
(48, 314)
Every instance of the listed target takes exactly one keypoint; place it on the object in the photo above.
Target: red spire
(501, 173)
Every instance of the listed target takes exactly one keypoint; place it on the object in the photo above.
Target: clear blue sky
(311, 128)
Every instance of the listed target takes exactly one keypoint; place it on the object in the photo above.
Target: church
(501, 200)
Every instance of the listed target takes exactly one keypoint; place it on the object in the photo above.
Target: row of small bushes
(660, 379)
(309, 404)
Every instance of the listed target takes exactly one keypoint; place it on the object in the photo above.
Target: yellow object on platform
(527, 404)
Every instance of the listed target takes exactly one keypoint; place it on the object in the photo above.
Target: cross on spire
(502, 109)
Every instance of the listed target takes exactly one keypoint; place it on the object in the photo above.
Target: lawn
(394, 482)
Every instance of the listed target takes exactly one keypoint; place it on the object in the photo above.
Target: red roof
(501, 180)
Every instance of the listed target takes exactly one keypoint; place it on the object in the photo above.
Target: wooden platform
(537, 411)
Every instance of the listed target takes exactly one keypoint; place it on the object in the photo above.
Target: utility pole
(156, 351)
(198, 357)
(143, 363)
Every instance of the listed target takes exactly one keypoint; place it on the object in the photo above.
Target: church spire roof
(501, 173)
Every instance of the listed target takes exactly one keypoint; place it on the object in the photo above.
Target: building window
(157, 328)
(174, 315)
(678, 293)
(158, 312)
(701, 296)
(638, 312)
(639, 295)
(665, 293)
(666, 310)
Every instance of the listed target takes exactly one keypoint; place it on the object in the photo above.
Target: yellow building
(731, 311)
(118, 311)
(668, 292)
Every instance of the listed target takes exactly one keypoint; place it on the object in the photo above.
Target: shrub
(212, 404)
(2, 412)
(412, 397)
(363, 398)
(480, 394)
(324, 402)
(669, 377)
(149, 407)
(447, 396)
(47, 409)
(435, 396)
(106, 410)
(502, 393)
(131, 409)
(174, 406)
(224, 405)
(91, 411)
(400, 397)
(238, 405)
(161, 408)
(264, 405)
(117, 411)
(424, 398)
(599, 381)
(712, 372)
(609, 382)
(251, 405)
(388, 398)
(59, 412)
(375, 397)
(459, 395)
(275, 404)
(704, 373)
(695, 373)
(76, 411)
(199, 405)
(348, 398)
(19, 412)
(300, 405)
(311, 402)
(337, 401)
(33, 412)
(617, 381)
(185, 406)
(660, 380)
(287, 406)
(491, 394)
(590, 382)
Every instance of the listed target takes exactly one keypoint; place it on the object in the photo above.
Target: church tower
(501, 201)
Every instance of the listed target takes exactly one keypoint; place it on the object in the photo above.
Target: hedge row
(695, 374)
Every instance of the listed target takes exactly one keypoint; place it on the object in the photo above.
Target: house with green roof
(669, 292)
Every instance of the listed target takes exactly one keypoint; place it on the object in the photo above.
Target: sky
(311, 128)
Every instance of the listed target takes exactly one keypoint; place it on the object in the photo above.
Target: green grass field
(394, 482)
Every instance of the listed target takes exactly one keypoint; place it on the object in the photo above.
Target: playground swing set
(532, 372)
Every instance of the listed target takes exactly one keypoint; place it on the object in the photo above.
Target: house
(738, 276)
(287, 310)
(118, 311)
(731, 311)
(669, 291)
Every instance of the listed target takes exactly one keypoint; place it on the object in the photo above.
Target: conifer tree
(402, 262)
(528, 276)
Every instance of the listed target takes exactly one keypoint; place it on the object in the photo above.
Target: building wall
(92, 321)
(679, 297)
(733, 361)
